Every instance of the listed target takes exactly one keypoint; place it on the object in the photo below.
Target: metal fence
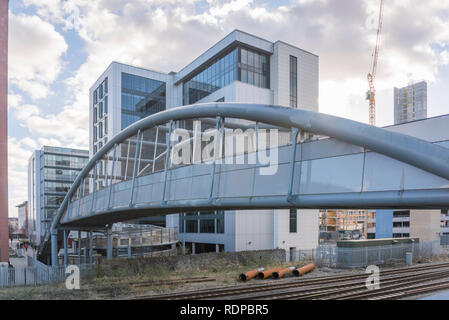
(444, 240)
(35, 273)
(335, 257)
(379, 255)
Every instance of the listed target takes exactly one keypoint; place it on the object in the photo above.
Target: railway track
(172, 282)
(345, 286)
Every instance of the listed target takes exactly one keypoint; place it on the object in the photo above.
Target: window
(105, 126)
(105, 105)
(181, 223)
(100, 130)
(239, 64)
(293, 221)
(191, 226)
(220, 221)
(141, 97)
(95, 115)
(293, 82)
(207, 226)
(100, 114)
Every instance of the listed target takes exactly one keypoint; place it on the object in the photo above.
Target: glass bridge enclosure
(117, 179)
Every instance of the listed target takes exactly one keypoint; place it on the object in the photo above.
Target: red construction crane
(372, 72)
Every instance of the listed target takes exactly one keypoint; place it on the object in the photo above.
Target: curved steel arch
(398, 146)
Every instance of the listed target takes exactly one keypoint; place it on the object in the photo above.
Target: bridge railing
(112, 179)
(144, 148)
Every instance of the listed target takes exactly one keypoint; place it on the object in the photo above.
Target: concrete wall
(307, 233)
(308, 76)
(425, 224)
(253, 230)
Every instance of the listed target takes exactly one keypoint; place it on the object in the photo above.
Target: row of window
(140, 97)
(101, 109)
(254, 68)
(56, 187)
(101, 91)
(65, 161)
(241, 64)
(60, 174)
(100, 130)
(219, 74)
(205, 222)
(100, 144)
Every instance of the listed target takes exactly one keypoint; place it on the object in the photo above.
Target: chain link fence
(335, 257)
(444, 241)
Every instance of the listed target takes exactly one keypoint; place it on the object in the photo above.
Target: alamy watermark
(373, 280)
(73, 279)
(237, 147)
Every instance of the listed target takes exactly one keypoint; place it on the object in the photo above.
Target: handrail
(399, 146)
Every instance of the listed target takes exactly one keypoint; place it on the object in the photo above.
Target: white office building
(239, 68)
(410, 103)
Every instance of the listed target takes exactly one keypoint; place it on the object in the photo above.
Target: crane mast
(372, 72)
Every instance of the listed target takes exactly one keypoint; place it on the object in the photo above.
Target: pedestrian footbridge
(290, 158)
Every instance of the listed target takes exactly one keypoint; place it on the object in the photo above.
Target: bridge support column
(54, 247)
(65, 248)
(193, 247)
(91, 249)
(129, 248)
(79, 247)
(109, 243)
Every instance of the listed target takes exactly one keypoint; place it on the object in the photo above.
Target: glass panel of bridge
(125, 163)
(147, 151)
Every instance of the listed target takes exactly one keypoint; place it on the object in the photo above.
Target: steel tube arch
(416, 152)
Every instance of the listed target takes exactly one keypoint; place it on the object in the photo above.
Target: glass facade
(59, 168)
(202, 222)
(293, 82)
(254, 68)
(141, 97)
(241, 64)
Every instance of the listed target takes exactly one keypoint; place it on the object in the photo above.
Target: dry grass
(114, 279)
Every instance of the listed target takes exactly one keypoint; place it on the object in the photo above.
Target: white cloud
(166, 35)
(35, 54)
(18, 155)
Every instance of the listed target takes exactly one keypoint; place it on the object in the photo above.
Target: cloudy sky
(58, 48)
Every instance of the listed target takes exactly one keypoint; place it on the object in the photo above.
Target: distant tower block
(410, 103)
(4, 247)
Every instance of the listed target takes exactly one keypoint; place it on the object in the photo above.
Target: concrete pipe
(250, 274)
(307, 268)
(265, 274)
(280, 274)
